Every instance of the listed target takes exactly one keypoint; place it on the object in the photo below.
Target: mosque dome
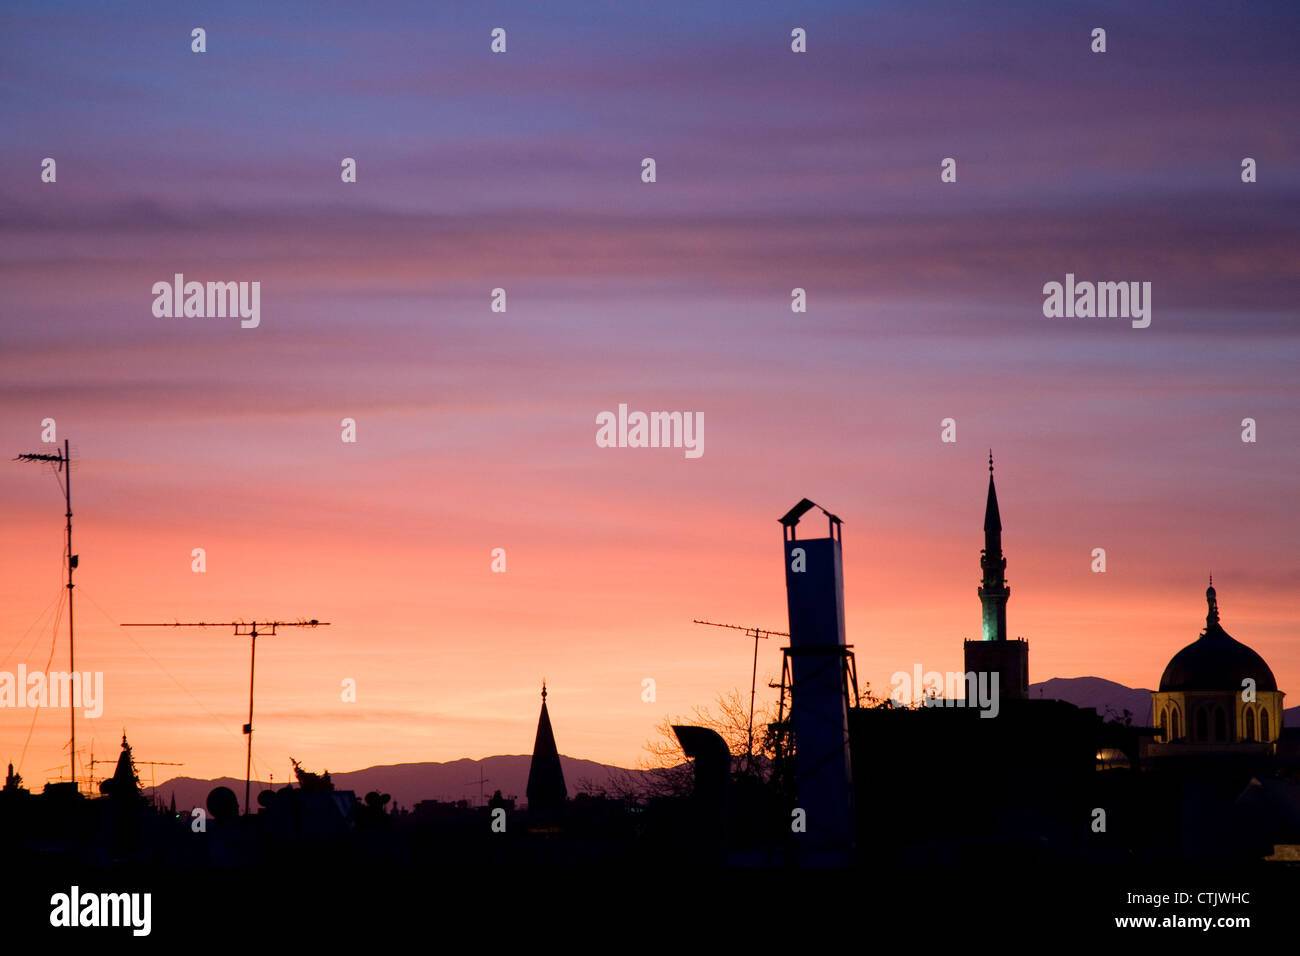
(1216, 661)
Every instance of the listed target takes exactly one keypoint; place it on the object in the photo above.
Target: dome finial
(543, 688)
(990, 461)
(1212, 599)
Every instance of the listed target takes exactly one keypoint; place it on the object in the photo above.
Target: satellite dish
(223, 804)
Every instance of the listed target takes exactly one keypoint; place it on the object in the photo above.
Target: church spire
(993, 590)
(546, 790)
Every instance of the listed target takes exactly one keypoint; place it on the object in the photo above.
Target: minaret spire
(992, 517)
(993, 590)
(546, 790)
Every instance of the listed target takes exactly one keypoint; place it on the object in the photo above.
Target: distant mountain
(1108, 698)
(1111, 699)
(459, 779)
(411, 782)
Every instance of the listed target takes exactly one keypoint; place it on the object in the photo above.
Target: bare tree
(665, 771)
(668, 771)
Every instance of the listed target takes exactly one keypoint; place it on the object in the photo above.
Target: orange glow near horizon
(448, 657)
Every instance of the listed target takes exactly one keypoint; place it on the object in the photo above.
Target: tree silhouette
(310, 782)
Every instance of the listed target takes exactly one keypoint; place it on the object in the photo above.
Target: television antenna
(480, 781)
(62, 462)
(251, 631)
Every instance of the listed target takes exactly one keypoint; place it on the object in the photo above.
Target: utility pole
(63, 463)
(250, 630)
(756, 632)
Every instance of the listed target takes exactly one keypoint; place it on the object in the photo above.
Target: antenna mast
(63, 462)
(250, 630)
(480, 781)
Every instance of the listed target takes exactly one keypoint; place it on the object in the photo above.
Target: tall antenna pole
(248, 727)
(250, 631)
(63, 462)
(72, 563)
(481, 780)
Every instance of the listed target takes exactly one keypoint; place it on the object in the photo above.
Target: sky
(475, 429)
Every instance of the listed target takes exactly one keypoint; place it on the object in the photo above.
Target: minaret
(993, 590)
(546, 790)
(994, 652)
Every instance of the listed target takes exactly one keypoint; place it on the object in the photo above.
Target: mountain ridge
(450, 780)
